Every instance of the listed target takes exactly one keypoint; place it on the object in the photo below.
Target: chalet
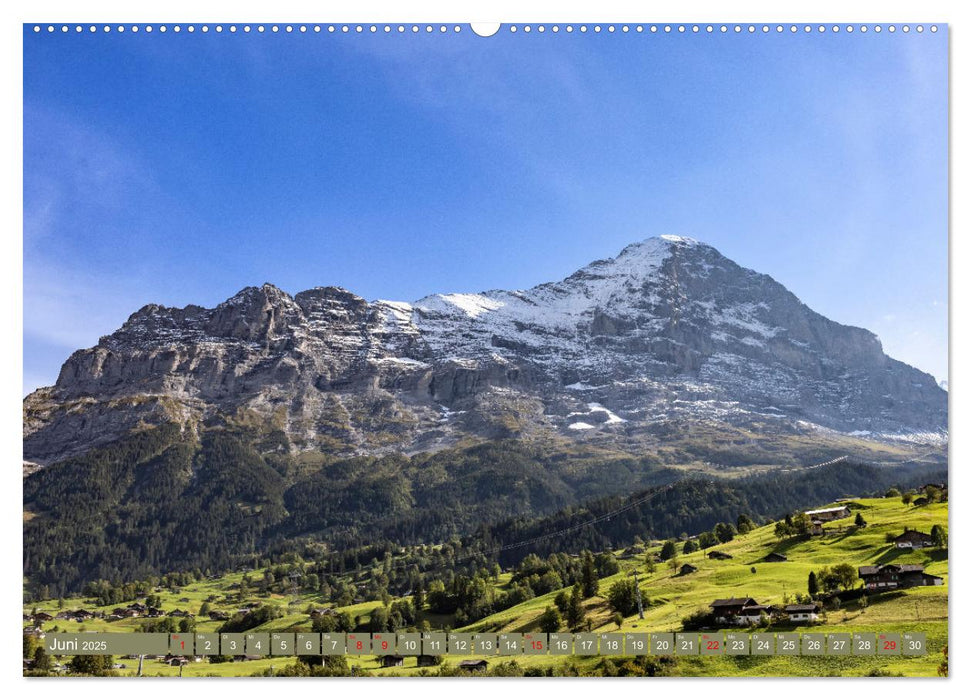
(827, 514)
(719, 555)
(390, 660)
(473, 665)
(64, 615)
(753, 614)
(776, 557)
(429, 660)
(816, 528)
(43, 617)
(687, 569)
(912, 539)
(81, 614)
(177, 661)
(727, 609)
(154, 612)
(138, 607)
(803, 612)
(218, 615)
(35, 632)
(931, 580)
(321, 611)
(890, 576)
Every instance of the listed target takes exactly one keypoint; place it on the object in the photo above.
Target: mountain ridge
(668, 330)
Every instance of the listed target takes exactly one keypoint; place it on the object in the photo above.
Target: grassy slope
(672, 597)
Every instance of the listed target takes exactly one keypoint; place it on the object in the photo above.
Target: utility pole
(637, 588)
(141, 657)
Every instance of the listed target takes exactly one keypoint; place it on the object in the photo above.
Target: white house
(808, 612)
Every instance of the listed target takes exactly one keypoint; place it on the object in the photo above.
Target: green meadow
(668, 598)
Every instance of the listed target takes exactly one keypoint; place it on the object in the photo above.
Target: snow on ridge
(472, 305)
(406, 361)
(580, 386)
(579, 425)
(611, 416)
(400, 310)
(671, 238)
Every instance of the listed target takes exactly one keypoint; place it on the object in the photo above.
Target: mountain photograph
(573, 364)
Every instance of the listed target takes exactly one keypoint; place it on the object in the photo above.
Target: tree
(828, 581)
(859, 521)
(418, 599)
(932, 493)
(689, 547)
(623, 597)
(617, 619)
(93, 665)
(606, 564)
(706, 540)
(801, 524)
(575, 614)
(588, 576)
(204, 608)
(550, 621)
(939, 537)
(725, 532)
(845, 574)
(649, 566)
(42, 662)
(668, 550)
(783, 530)
(813, 585)
(907, 498)
(892, 493)
(674, 563)
(562, 601)
(378, 621)
(186, 624)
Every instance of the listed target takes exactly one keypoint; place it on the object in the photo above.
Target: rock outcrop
(668, 330)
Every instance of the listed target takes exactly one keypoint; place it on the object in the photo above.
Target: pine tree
(588, 575)
(813, 585)
(575, 613)
(550, 620)
(419, 598)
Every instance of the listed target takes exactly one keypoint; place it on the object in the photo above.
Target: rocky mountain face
(669, 330)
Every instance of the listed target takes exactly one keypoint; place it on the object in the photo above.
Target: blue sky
(178, 169)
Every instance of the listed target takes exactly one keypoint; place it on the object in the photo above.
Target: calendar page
(416, 348)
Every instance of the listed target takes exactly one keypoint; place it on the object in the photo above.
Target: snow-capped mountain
(669, 330)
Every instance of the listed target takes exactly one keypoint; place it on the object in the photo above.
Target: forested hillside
(159, 501)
